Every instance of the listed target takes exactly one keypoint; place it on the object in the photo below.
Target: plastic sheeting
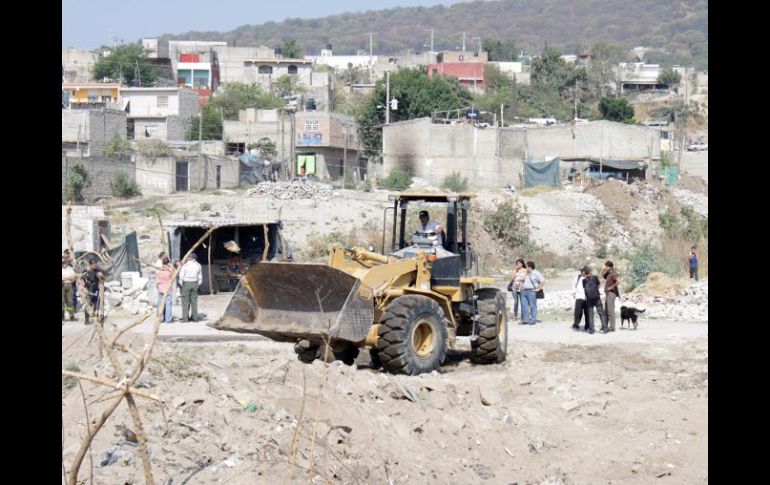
(124, 257)
(254, 169)
(542, 173)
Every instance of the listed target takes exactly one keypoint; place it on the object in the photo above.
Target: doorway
(182, 176)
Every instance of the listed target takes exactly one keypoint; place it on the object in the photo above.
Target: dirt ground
(629, 407)
(565, 408)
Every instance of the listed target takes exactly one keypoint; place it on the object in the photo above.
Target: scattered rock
(570, 406)
(293, 190)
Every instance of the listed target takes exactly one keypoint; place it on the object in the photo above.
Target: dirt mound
(660, 284)
(637, 206)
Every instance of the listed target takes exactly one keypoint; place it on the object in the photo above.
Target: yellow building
(92, 92)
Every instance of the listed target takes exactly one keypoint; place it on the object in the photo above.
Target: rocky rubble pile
(691, 306)
(134, 300)
(699, 202)
(293, 190)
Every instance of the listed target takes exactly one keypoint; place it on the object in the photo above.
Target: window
(311, 126)
(265, 69)
(292, 69)
(162, 101)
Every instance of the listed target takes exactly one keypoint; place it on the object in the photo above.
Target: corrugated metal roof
(218, 222)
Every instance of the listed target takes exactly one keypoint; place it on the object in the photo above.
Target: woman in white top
(580, 300)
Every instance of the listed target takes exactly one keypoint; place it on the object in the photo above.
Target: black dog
(629, 314)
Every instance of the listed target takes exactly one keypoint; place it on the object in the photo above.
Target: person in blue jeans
(693, 264)
(516, 285)
(533, 283)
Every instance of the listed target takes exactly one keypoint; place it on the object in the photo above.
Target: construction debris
(293, 190)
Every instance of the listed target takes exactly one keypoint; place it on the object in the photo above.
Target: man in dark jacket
(611, 292)
(91, 278)
(593, 300)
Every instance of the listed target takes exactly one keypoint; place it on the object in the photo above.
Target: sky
(87, 23)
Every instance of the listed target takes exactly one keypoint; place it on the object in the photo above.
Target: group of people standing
(188, 279)
(526, 287)
(91, 279)
(587, 297)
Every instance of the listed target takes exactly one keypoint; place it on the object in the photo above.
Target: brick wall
(101, 173)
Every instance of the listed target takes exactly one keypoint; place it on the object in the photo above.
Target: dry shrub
(680, 249)
(366, 235)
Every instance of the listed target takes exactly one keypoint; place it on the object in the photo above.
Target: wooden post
(211, 282)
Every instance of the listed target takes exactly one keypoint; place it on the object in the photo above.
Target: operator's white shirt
(432, 226)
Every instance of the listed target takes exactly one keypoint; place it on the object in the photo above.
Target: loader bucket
(288, 301)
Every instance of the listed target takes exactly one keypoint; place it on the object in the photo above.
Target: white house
(159, 112)
(639, 76)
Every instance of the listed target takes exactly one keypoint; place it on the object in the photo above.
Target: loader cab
(450, 210)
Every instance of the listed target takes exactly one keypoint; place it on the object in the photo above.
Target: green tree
(229, 100)
(501, 50)
(211, 127)
(418, 95)
(616, 109)
(286, 85)
(552, 71)
(352, 75)
(117, 147)
(235, 96)
(669, 77)
(291, 49)
(79, 180)
(604, 69)
(123, 186)
(494, 79)
(129, 63)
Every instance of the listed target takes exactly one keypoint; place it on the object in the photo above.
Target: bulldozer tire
(492, 343)
(412, 335)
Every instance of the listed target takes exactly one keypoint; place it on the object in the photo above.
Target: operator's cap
(424, 214)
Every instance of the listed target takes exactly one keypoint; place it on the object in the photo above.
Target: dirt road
(628, 407)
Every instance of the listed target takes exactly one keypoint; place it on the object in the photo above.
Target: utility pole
(370, 46)
(291, 143)
(345, 153)
(501, 115)
(387, 97)
(576, 98)
(431, 40)
(200, 146)
(463, 41)
(283, 139)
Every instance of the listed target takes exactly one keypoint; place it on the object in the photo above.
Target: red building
(470, 74)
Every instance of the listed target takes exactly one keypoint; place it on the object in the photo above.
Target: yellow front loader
(407, 307)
